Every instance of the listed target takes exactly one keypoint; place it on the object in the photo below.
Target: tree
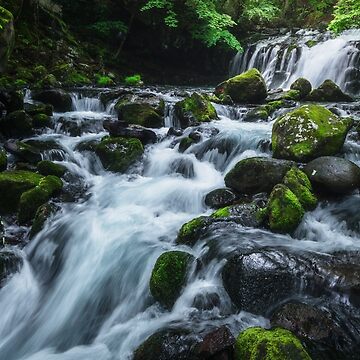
(346, 16)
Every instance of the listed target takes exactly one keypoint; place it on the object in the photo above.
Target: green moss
(277, 344)
(284, 209)
(12, 185)
(298, 182)
(102, 80)
(292, 95)
(309, 132)
(3, 160)
(303, 86)
(49, 168)
(311, 43)
(134, 80)
(41, 120)
(272, 106)
(41, 216)
(190, 232)
(118, 154)
(39, 195)
(221, 213)
(169, 276)
(39, 71)
(185, 143)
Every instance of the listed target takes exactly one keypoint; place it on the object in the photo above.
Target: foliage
(105, 29)
(260, 10)
(347, 16)
(134, 80)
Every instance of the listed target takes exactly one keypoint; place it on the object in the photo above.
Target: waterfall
(310, 54)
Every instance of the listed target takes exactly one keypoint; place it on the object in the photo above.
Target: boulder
(12, 185)
(41, 121)
(284, 210)
(194, 109)
(309, 132)
(169, 276)
(32, 199)
(185, 143)
(191, 231)
(257, 175)
(7, 36)
(119, 129)
(298, 182)
(184, 167)
(260, 344)
(248, 87)
(9, 263)
(118, 154)
(3, 160)
(16, 124)
(220, 198)
(12, 100)
(47, 167)
(35, 109)
(43, 213)
(23, 151)
(333, 175)
(59, 99)
(328, 91)
(303, 86)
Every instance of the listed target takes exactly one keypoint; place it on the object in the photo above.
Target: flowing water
(83, 292)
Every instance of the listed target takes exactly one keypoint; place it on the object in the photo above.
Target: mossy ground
(277, 344)
(169, 276)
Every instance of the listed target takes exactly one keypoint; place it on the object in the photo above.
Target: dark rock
(23, 151)
(42, 215)
(257, 175)
(220, 198)
(13, 100)
(303, 86)
(195, 135)
(59, 99)
(328, 91)
(3, 160)
(334, 175)
(174, 132)
(35, 109)
(185, 167)
(117, 129)
(9, 263)
(17, 123)
(47, 167)
(185, 143)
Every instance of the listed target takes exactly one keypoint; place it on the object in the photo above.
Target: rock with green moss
(47, 167)
(309, 132)
(303, 86)
(276, 344)
(256, 114)
(248, 87)
(59, 99)
(12, 185)
(3, 160)
(191, 231)
(39, 195)
(139, 114)
(169, 276)
(23, 151)
(7, 36)
(185, 143)
(43, 213)
(41, 121)
(298, 182)
(328, 91)
(17, 123)
(284, 210)
(256, 175)
(118, 154)
(194, 109)
(35, 109)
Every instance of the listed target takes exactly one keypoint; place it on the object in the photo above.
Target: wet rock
(185, 143)
(260, 344)
(117, 129)
(32, 199)
(35, 109)
(289, 95)
(185, 167)
(323, 336)
(12, 100)
(23, 151)
(41, 121)
(248, 87)
(47, 167)
(328, 91)
(59, 99)
(3, 160)
(87, 145)
(9, 263)
(303, 86)
(257, 175)
(333, 175)
(309, 132)
(118, 154)
(220, 198)
(16, 124)
(107, 96)
(174, 132)
(195, 135)
(77, 127)
(169, 276)
(43, 213)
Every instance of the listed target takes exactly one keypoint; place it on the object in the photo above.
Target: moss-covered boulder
(139, 114)
(12, 185)
(35, 109)
(194, 109)
(284, 210)
(118, 154)
(59, 99)
(309, 132)
(47, 167)
(23, 151)
(39, 195)
(185, 143)
(277, 344)
(298, 182)
(303, 86)
(191, 231)
(257, 174)
(42, 215)
(3, 160)
(17, 123)
(7, 36)
(169, 276)
(248, 87)
(41, 121)
(328, 91)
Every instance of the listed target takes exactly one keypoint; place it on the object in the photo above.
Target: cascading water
(83, 292)
(307, 54)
